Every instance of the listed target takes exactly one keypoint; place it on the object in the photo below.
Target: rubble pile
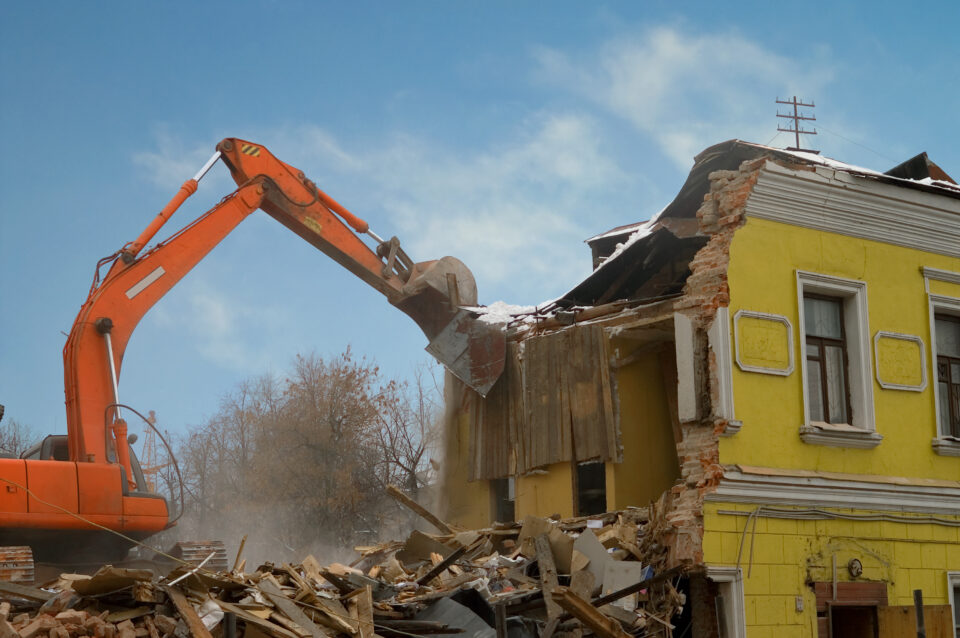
(604, 575)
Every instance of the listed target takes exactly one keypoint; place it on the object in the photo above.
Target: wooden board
(187, 613)
(554, 403)
(290, 608)
(901, 621)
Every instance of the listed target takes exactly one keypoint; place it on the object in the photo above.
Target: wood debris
(604, 575)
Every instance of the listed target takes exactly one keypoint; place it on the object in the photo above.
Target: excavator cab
(52, 448)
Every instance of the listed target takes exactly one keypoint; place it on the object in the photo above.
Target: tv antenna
(797, 118)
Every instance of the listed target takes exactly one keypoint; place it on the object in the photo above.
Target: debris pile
(604, 575)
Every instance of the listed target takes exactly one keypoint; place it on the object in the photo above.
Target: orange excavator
(65, 498)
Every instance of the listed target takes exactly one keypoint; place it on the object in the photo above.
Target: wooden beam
(643, 584)
(27, 593)
(262, 624)
(440, 567)
(405, 500)
(586, 613)
(360, 605)
(187, 613)
(289, 608)
(548, 574)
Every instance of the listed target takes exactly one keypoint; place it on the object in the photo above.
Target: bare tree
(305, 460)
(16, 437)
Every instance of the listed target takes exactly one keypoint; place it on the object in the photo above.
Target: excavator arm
(431, 293)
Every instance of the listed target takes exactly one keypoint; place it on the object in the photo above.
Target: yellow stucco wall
(461, 502)
(546, 493)
(764, 258)
(788, 553)
(650, 463)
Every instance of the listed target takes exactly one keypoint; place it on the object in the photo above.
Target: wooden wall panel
(554, 403)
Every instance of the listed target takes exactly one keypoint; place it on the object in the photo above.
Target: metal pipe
(374, 235)
(113, 371)
(206, 167)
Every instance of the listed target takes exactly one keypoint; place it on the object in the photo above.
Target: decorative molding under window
(839, 436)
(765, 316)
(848, 491)
(946, 446)
(921, 347)
(732, 428)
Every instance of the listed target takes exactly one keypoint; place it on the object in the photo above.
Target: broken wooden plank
(24, 592)
(360, 606)
(548, 574)
(289, 608)
(440, 567)
(587, 614)
(261, 623)
(500, 615)
(187, 613)
(644, 584)
(405, 500)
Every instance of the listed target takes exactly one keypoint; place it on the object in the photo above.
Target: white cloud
(513, 210)
(172, 162)
(688, 91)
(219, 325)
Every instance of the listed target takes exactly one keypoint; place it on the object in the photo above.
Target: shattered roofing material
(674, 229)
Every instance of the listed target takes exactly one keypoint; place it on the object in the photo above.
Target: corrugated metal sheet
(554, 403)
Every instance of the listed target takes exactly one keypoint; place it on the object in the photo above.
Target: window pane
(948, 337)
(822, 317)
(836, 385)
(814, 390)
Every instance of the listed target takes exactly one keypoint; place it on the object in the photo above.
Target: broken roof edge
(678, 218)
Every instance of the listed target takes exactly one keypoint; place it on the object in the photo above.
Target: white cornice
(841, 203)
(763, 489)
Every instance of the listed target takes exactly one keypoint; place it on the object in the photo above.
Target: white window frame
(861, 432)
(940, 305)
(953, 580)
(732, 577)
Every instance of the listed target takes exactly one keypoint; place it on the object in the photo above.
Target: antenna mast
(797, 117)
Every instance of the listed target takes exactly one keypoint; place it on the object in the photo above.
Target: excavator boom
(431, 292)
(61, 496)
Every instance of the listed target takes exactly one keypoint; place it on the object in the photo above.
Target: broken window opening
(503, 495)
(829, 389)
(590, 488)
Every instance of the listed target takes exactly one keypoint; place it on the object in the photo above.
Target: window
(731, 621)
(953, 589)
(945, 344)
(836, 362)
(827, 391)
(591, 488)
(947, 329)
(503, 495)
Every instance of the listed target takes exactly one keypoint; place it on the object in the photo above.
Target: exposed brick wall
(720, 214)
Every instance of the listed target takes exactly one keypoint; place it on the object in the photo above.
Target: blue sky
(503, 133)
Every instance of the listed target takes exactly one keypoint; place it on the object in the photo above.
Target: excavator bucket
(434, 296)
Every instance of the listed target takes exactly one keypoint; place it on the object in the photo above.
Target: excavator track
(195, 552)
(16, 564)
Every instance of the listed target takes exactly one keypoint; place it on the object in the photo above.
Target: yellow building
(778, 352)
